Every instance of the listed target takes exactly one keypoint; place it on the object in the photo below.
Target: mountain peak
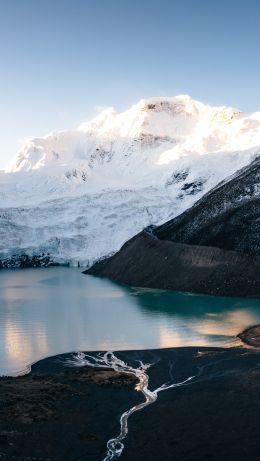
(81, 194)
(162, 129)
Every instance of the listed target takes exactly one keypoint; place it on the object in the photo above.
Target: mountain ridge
(233, 202)
(117, 174)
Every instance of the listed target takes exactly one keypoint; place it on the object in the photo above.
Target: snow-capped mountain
(79, 195)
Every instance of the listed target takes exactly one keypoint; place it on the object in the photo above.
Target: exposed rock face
(194, 252)
(227, 217)
(147, 261)
(25, 261)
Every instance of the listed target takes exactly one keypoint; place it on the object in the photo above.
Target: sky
(62, 59)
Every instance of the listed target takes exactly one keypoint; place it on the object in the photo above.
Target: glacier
(74, 197)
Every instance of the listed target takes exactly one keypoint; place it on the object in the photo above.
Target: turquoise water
(45, 312)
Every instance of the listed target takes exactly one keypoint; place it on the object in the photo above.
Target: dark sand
(60, 413)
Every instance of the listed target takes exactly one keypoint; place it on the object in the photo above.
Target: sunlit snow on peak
(118, 173)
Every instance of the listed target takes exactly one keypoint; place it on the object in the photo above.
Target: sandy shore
(61, 413)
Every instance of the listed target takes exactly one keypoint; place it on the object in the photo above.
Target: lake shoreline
(45, 312)
(62, 413)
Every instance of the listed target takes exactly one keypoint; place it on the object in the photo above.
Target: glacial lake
(44, 312)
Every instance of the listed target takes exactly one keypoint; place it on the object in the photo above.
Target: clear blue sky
(61, 58)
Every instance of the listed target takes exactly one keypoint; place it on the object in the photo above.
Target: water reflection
(195, 320)
(50, 311)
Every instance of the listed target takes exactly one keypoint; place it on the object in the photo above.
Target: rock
(251, 336)
(227, 217)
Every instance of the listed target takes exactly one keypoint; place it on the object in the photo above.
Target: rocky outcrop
(26, 261)
(227, 217)
(251, 336)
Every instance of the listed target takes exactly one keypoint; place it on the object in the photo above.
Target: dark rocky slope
(25, 261)
(227, 217)
(194, 252)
